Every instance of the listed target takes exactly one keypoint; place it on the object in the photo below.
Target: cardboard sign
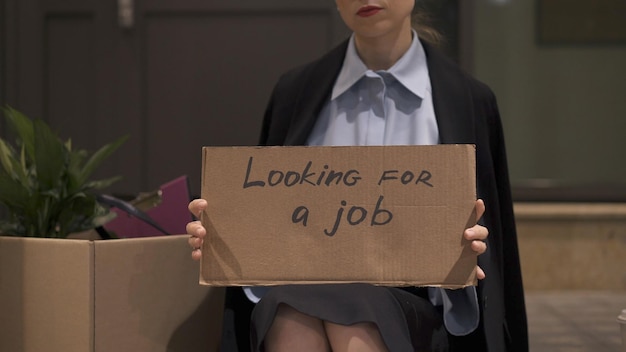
(386, 215)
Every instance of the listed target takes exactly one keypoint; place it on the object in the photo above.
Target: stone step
(572, 246)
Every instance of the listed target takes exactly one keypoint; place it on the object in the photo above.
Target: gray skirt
(406, 319)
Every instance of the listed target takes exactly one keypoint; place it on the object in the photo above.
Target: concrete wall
(579, 246)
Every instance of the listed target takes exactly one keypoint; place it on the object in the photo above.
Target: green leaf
(6, 157)
(13, 194)
(12, 166)
(74, 170)
(100, 184)
(50, 156)
(97, 158)
(23, 126)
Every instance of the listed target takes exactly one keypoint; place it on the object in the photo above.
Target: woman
(384, 86)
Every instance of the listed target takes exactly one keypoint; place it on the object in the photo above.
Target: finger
(480, 274)
(195, 242)
(197, 206)
(196, 254)
(479, 247)
(480, 209)
(476, 232)
(195, 229)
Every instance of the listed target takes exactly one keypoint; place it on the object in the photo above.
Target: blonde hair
(422, 23)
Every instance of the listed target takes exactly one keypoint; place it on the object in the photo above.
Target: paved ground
(574, 321)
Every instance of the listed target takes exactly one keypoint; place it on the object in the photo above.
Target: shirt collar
(411, 70)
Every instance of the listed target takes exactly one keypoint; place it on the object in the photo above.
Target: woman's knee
(357, 337)
(292, 330)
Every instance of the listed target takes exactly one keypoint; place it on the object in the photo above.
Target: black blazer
(466, 112)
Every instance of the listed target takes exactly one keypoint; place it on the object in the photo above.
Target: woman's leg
(294, 331)
(361, 337)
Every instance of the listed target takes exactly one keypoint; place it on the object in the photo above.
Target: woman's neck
(382, 52)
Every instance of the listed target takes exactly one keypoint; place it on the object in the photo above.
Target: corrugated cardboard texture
(394, 216)
(115, 295)
(46, 295)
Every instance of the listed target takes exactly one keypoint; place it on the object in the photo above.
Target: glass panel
(562, 101)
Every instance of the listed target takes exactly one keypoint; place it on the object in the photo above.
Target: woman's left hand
(478, 235)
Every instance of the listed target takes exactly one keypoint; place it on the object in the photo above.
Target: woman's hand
(478, 235)
(195, 229)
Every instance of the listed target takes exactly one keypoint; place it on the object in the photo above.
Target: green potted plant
(45, 183)
(78, 295)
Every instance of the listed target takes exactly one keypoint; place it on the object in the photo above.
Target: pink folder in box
(171, 214)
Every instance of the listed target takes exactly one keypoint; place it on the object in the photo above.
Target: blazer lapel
(314, 94)
(452, 100)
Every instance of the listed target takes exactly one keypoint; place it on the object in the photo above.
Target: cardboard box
(392, 215)
(101, 296)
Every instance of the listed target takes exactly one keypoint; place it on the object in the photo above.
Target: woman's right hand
(195, 229)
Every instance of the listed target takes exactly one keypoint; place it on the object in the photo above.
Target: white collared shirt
(386, 107)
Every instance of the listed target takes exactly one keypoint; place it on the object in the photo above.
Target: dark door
(175, 75)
